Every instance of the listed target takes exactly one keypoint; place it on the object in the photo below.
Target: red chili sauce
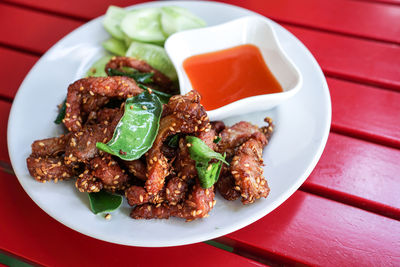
(225, 76)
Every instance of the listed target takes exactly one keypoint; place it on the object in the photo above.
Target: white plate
(302, 127)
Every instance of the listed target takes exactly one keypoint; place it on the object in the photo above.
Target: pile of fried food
(163, 182)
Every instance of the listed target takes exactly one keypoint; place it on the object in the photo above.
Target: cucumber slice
(115, 46)
(112, 20)
(155, 56)
(143, 25)
(175, 19)
(98, 68)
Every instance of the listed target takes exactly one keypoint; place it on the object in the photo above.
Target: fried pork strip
(198, 204)
(185, 115)
(234, 136)
(82, 144)
(50, 146)
(142, 66)
(246, 168)
(111, 87)
(48, 168)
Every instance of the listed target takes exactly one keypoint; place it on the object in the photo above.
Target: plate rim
(217, 232)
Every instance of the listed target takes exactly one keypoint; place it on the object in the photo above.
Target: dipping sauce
(225, 76)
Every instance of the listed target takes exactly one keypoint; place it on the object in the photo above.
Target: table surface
(346, 213)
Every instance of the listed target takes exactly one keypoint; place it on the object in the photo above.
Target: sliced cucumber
(112, 21)
(155, 56)
(174, 19)
(143, 25)
(97, 69)
(115, 46)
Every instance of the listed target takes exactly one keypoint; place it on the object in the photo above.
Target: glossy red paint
(306, 229)
(361, 19)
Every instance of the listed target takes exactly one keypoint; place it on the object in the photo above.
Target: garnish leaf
(217, 139)
(104, 202)
(61, 112)
(208, 172)
(140, 77)
(174, 141)
(137, 129)
(164, 97)
(199, 151)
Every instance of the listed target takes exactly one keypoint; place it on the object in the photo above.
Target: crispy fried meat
(111, 87)
(137, 195)
(246, 168)
(87, 183)
(82, 144)
(137, 168)
(175, 190)
(159, 78)
(50, 146)
(226, 187)
(234, 136)
(198, 204)
(186, 116)
(107, 170)
(48, 168)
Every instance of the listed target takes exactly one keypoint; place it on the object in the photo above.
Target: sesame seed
(141, 198)
(247, 165)
(144, 107)
(188, 144)
(41, 144)
(108, 216)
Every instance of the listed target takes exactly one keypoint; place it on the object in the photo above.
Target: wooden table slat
(4, 112)
(344, 16)
(346, 57)
(315, 231)
(359, 172)
(74, 248)
(86, 10)
(15, 67)
(353, 58)
(363, 19)
(365, 111)
(31, 30)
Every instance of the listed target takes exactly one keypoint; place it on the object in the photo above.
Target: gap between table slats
(367, 20)
(340, 16)
(311, 230)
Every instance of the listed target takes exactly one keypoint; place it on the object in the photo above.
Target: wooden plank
(360, 173)
(86, 10)
(365, 111)
(311, 230)
(4, 112)
(345, 57)
(393, 2)
(352, 58)
(30, 30)
(27, 232)
(15, 67)
(363, 19)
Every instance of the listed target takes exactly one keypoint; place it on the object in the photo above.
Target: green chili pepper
(137, 129)
(208, 172)
(104, 202)
(61, 112)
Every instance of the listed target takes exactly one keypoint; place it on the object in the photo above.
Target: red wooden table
(346, 213)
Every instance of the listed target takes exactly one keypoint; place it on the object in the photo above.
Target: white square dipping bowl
(246, 30)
